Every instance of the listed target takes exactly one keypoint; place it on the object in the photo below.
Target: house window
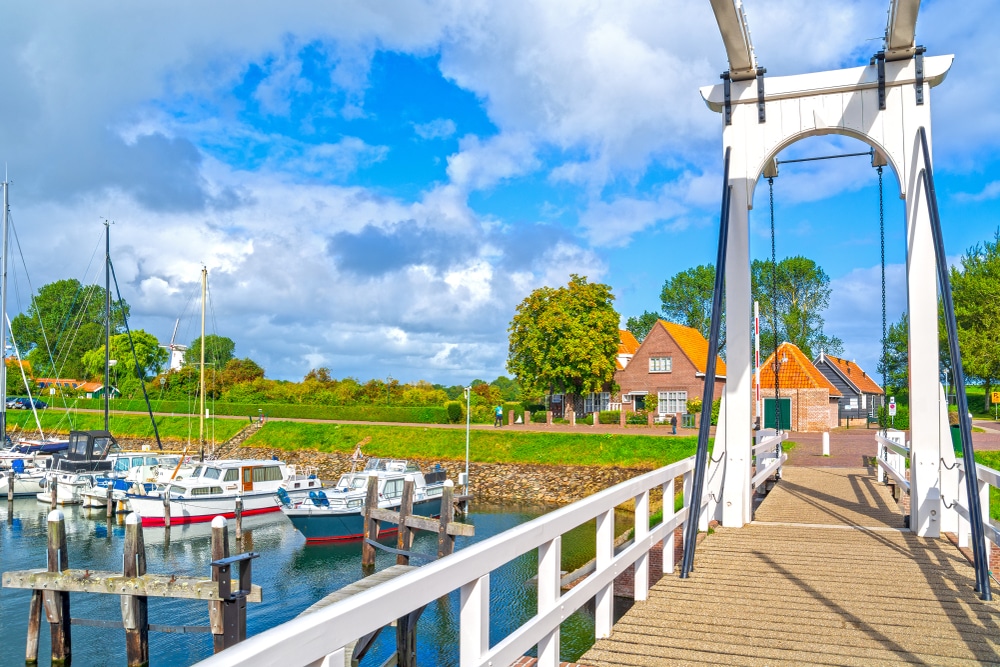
(660, 364)
(626, 398)
(673, 401)
(595, 402)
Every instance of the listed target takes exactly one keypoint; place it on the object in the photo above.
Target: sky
(374, 186)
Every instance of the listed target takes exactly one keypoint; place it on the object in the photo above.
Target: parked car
(26, 404)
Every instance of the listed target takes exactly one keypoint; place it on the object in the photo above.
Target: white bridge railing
(319, 639)
(891, 458)
(769, 457)
(987, 477)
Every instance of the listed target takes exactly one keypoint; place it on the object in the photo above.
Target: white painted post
(640, 580)
(335, 659)
(668, 514)
(604, 607)
(474, 621)
(964, 528)
(984, 503)
(826, 443)
(549, 575)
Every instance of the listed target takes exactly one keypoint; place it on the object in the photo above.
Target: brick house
(598, 400)
(861, 397)
(667, 370)
(808, 400)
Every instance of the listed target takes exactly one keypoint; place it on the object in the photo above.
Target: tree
(564, 340)
(687, 298)
(800, 290)
(66, 318)
(976, 295)
(642, 325)
(896, 365)
(127, 373)
(218, 351)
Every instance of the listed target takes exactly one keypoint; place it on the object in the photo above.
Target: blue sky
(374, 186)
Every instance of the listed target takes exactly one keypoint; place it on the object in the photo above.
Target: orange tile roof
(627, 344)
(796, 372)
(693, 345)
(856, 375)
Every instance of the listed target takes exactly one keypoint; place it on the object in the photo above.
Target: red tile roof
(693, 345)
(796, 371)
(855, 374)
(627, 344)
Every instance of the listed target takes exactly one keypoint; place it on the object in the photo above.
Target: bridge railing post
(984, 503)
(474, 620)
(604, 607)
(549, 576)
(964, 527)
(669, 512)
(640, 578)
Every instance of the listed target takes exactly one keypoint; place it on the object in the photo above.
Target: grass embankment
(125, 426)
(991, 460)
(495, 446)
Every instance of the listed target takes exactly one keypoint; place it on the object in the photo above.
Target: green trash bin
(956, 438)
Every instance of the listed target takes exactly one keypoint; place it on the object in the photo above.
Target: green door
(786, 413)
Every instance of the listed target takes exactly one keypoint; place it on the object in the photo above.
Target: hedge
(367, 413)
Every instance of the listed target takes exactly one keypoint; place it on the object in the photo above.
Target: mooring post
(404, 539)
(135, 615)
(220, 550)
(406, 639)
(370, 527)
(110, 506)
(10, 486)
(57, 602)
(166, 510)
(54, 481)
(34, 621)
(446, 542)
(238, 516)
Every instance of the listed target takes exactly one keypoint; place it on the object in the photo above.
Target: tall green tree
(218, 351)
(686, 298)
(976, 293)
(65, 319)
(564, 340)
(129, 369)
(642, 325)
(799, 290)
(896, 365)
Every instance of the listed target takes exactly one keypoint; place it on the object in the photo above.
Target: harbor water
(293, 576)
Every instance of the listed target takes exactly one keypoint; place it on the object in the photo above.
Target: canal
(293, 576)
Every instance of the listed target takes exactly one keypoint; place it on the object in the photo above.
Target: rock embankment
(503, 482)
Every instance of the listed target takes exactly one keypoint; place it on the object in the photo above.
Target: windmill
(176, 350)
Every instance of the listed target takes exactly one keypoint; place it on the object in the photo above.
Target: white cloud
(441, 128)
(989, 192)
(482, 164)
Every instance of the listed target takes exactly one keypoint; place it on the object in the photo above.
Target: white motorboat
(211, 490)
(27, 481)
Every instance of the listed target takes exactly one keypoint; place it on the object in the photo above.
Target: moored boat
(337, 513)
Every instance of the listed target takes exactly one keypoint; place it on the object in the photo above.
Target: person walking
(673, 424)
(498, 417)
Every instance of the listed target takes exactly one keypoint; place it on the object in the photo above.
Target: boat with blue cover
(337, 513)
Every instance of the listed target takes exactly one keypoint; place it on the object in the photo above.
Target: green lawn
(122, 426)
(494, 446)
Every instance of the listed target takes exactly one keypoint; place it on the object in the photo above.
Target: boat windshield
(122, 465)
(212, 473)
(169, 460)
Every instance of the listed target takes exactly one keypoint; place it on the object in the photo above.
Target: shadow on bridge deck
(825, 576)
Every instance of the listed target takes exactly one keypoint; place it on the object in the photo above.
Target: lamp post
(468, 403)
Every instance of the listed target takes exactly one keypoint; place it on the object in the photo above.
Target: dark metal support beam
(965, 423)
(708, 395)
(761, 113)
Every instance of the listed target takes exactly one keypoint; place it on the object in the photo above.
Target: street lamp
(468, 403)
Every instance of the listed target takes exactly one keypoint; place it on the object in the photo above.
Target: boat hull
(196, 510)
(24, 486)
(319, 524)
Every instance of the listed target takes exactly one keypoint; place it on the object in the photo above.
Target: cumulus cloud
(441, 128)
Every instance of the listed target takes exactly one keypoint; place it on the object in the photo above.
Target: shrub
(538, 417)
(516, 407)
(637, 417)
(694, 406)
(588, 420)
(454, 409)
(534, 407)
(609, 416)
(716, 404)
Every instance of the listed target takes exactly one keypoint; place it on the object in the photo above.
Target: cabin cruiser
(77, 469)
(337, 513)
(28, 481)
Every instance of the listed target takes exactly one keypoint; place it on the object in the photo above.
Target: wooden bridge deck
(825, 576)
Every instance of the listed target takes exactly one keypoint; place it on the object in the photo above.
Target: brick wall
(813, 410)
(682, 377)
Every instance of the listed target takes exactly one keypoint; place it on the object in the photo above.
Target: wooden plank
(423, 523)
(359, 586)
(113, 583)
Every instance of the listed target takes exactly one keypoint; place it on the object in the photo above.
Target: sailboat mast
(3, 317)
(201, 419)
(107, 321)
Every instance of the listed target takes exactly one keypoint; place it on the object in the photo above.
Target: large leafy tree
(130, 369)
(896, 365)
(976, 293)
(642, 325)
(799, 290)
(686, 298)
(218, 351)
(564, 340)
(64, 321)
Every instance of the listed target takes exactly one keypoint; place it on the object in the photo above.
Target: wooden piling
(135, 615)
(34, 623)
(110, 506)
(166, 509)
(216, 615)
(10, 486)
(446, 542)
(54, 481)
(57, 602)
(406, 639)
(404, 539)
(370, 527)
(238, 516)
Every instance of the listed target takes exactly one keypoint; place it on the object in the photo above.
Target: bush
(609, 416)
(902, 419)
(516, 407)
(694, 406)
(637, 417)
(588, 420)
(716, 404)
(454, 409)
(534, 407)
(538, 417)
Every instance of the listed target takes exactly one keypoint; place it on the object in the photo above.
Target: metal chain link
(774, 312)
(885, 339)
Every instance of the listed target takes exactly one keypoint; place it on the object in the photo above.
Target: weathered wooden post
(404, 540)
(166, 509)
(238, 516)
(54, 481)
(57, 602)
(10, 486)
(446, 542)
(111, 504)
(370, 527)
(220, 550)
(135, 615)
